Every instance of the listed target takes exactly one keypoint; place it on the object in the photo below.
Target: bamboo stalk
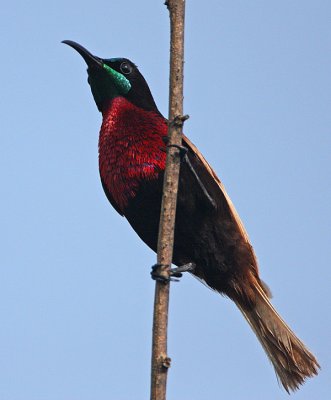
(160, 359)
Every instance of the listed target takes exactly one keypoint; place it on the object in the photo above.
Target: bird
(209, 233)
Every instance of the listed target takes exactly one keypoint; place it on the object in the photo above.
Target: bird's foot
(161, 273)
(182, 149)
(184, 158)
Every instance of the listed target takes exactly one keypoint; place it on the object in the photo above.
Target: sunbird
(209, 234)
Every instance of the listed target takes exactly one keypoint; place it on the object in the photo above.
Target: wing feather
(212, 173)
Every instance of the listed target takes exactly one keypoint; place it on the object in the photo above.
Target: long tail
(292, 361)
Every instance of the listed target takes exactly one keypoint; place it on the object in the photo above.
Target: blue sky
(75, 292)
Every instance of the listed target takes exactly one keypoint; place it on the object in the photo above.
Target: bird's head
(114, 77)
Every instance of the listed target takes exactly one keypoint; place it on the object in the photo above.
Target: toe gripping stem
(161, 273)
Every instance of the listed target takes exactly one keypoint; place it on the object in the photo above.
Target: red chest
(131, 149)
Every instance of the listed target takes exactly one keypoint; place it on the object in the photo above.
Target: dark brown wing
(208, 175)
(214, 238)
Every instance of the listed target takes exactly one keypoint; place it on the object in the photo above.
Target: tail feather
(292, 361)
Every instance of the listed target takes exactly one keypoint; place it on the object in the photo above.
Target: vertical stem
(160, 360)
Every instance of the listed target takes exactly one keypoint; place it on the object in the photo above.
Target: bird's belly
(143, 211)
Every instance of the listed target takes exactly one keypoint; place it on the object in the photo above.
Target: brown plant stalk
(160, 359)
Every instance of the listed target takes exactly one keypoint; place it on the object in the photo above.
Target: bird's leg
(202, 186)
(178, 271)
(161, 273)
(184, 158)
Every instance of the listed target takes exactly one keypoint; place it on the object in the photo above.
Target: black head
(113, 77)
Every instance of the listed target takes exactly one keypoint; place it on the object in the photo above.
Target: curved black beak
(89, 58)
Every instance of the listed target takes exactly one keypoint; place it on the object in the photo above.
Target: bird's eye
(126, 68)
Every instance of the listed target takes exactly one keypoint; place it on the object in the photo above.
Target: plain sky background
(75, 291)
